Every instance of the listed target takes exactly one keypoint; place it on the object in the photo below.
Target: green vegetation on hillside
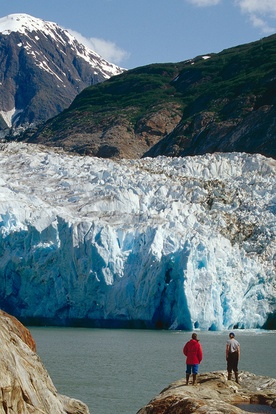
(139, 90)
(228, 85)
(194, 84)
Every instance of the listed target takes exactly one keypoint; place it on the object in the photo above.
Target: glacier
(167, 243)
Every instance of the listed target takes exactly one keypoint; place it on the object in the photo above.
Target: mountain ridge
(43, 67)
(213, 103)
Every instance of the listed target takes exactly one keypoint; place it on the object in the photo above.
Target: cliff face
(25, 386)
(214, 394)
(222, 102)
(177, 243)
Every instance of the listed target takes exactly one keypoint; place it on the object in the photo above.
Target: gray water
(257, 408)
(119, 371)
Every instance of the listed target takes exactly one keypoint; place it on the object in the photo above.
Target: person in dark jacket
(233, 351)
(193, 352)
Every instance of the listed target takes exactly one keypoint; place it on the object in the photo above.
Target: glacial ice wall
(177, 243)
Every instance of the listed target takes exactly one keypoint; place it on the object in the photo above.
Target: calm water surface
(119, 371)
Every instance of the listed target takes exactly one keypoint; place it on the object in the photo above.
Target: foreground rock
(214, 394)
(25, 386)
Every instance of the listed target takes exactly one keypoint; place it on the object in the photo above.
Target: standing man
(193, 351)
(232, 356)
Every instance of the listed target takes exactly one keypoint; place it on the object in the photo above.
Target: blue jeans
(192, 368)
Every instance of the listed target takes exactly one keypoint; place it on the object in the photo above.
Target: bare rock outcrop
(25, 385)
(19, 329)
(214, 394)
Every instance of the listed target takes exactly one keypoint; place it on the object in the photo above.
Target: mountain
(214, 103)
(178, 243)
(42, 69)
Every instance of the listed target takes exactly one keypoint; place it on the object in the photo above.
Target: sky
(132, 33)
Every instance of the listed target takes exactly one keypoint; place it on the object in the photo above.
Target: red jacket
(193, 352)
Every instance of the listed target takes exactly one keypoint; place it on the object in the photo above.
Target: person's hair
(194, 336)
(232, 335)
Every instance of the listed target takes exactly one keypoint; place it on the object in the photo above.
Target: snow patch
(22, 23)
(10, 116)
(26, 24)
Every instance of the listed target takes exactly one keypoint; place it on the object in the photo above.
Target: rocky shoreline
(25, 385)
(214, 394)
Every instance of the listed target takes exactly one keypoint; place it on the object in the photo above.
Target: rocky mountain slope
(42, 68)
(218, 102)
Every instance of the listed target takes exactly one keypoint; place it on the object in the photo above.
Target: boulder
(214, 394)
(25, 385)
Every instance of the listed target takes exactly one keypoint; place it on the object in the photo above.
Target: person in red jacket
(193, 351)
